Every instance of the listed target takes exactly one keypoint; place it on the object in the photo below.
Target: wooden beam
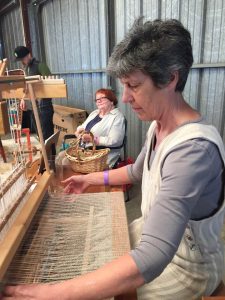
(13, 86)
(38, 124)
(11, 82)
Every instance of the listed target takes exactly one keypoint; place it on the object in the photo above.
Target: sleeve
(135, 170)
(44, 69)
(186, 172)
(115, 134)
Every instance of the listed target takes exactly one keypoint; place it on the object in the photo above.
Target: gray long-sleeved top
(192, 187)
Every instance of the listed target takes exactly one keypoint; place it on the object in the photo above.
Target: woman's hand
(79, 131)
(75, 184)
(33, 292)
(86, 138)
(23, 105)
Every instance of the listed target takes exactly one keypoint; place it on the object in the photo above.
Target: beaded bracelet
(106, 177)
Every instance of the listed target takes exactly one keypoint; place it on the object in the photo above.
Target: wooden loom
(91, 212)
(4, 123)
(11, 87)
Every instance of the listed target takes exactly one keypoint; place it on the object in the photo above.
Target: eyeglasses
(101, 98)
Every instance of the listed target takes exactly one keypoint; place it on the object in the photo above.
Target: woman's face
(147, 100)
(103, 103)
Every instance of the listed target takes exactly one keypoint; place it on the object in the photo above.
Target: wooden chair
(218, 294)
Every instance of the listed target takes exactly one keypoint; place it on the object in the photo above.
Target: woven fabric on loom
(70, 236)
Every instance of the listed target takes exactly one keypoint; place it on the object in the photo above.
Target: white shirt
(110, 131)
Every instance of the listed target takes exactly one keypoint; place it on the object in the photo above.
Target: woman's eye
(134, 86)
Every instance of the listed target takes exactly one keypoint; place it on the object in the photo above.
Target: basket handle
(80, 139)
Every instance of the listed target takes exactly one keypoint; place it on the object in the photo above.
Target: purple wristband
(106, 177)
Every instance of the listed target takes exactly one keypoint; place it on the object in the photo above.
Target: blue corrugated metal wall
(76, 46)
(12, 34)
(75, 35)
(206, 23)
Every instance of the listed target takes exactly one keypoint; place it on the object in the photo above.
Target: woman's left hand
(75, 184)
(86, 138)
(32, 292)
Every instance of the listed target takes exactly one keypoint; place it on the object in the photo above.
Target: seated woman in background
(106, 123)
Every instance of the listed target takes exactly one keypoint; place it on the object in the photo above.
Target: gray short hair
(157, 48)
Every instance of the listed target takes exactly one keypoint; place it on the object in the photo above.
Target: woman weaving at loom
(177, 252)
(106, 123)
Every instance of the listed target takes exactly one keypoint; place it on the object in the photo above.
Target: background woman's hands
(86, 138)
(75, 184)
(79, 131)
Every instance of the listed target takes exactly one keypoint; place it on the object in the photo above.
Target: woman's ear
(173, 81)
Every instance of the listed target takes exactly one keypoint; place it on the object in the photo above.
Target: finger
(66, 181)
(19, 292)
(68, 188)
(8, 290)
(70, 179)
(68, 191)
(15, 297)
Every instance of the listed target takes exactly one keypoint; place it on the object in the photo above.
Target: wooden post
(38, 123)
(2, 71)
(3, 66)
(2, 152)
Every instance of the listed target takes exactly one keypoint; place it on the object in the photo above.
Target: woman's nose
(126, 97)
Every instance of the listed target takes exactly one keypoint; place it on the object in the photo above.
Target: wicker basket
(85, 160)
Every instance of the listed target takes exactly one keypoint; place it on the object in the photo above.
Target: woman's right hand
(76, 184)
(79, 131)
(23, 105)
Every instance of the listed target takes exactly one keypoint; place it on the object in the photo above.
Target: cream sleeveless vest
(198, 265)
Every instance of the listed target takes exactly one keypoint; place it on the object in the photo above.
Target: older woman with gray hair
(177, 251)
